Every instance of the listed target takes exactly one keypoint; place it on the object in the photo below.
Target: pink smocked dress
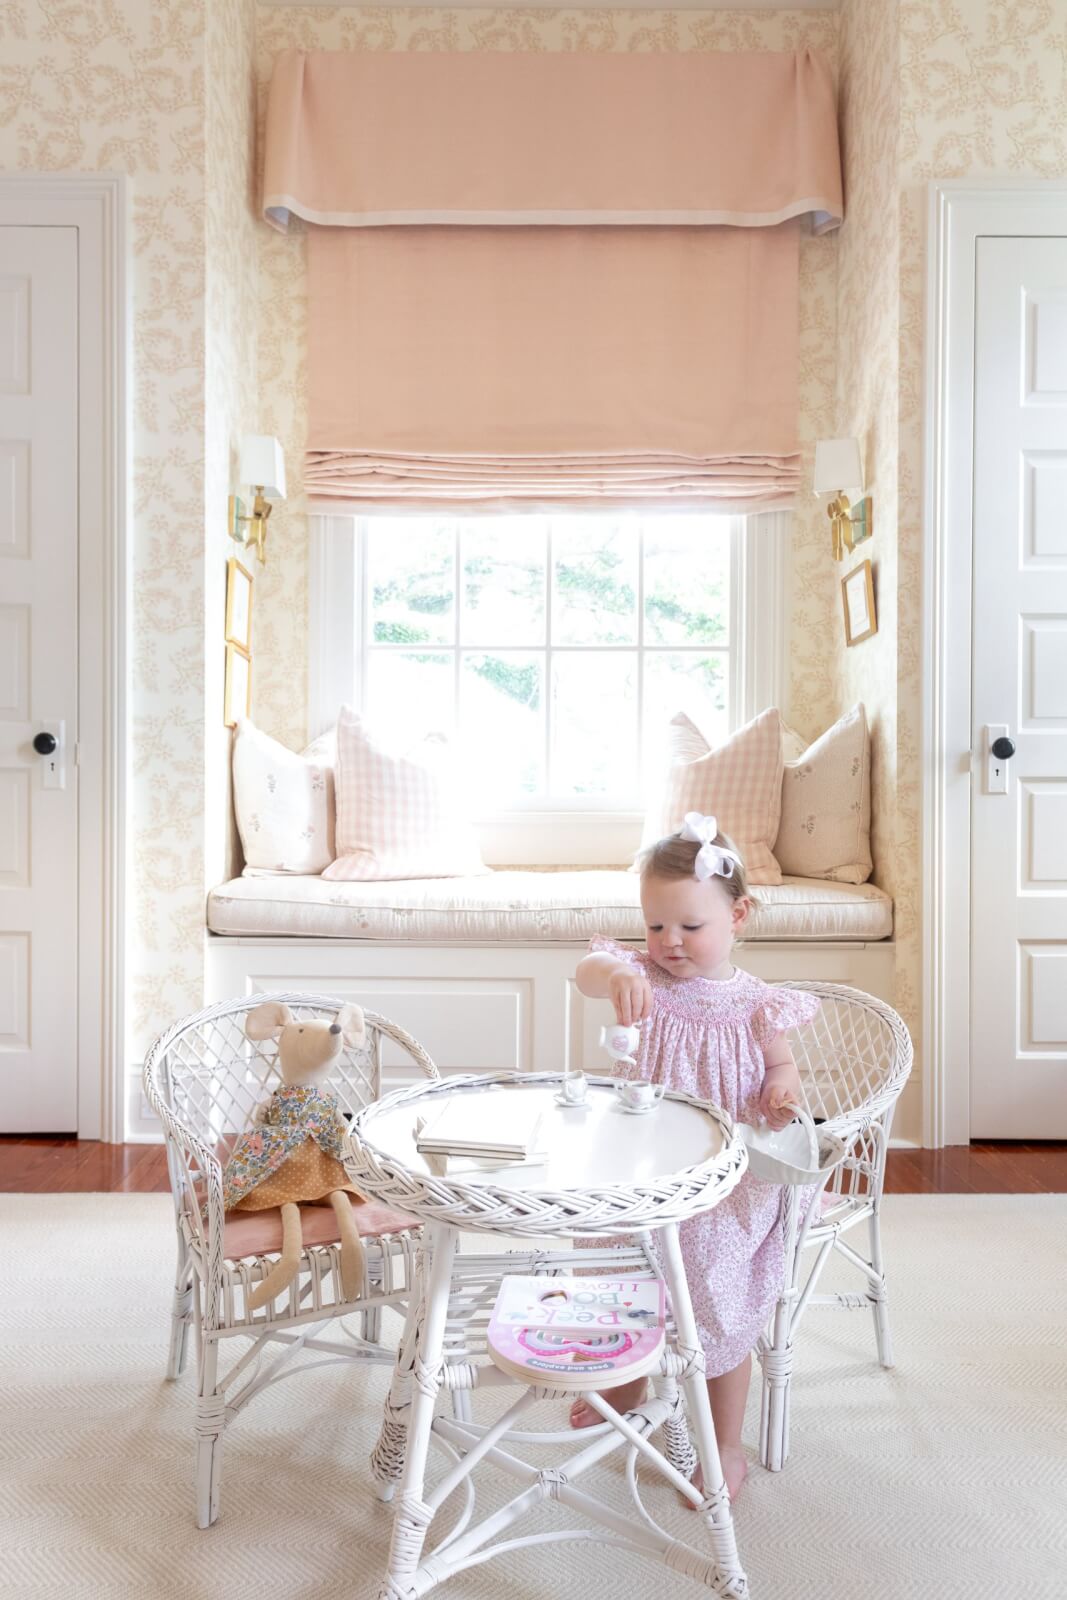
(707, 1037)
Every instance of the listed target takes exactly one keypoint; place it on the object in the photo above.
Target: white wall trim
(333, 637)
(959, 212)
(96, 204)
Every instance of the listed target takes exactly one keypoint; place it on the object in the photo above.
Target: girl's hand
(631, 995)
(777, 1102)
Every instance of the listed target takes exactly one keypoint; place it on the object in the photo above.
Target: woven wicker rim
(368, 1162)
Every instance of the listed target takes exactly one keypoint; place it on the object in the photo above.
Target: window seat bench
(481, 970)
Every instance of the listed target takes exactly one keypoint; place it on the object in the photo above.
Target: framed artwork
(857, 593)
(238, 605)
(237, 696)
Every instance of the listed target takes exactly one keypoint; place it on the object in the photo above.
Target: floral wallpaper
(282, 678)
(930, 88)
(163, 93)
(120, 87)
(231, 399)
(983, 93)
(867, 382)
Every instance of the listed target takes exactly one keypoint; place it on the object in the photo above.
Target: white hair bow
(713, 860)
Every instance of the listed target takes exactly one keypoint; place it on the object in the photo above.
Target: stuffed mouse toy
(293, 1156)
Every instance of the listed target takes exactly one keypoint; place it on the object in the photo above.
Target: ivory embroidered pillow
(740, 782)
(283, 803)
(825, 826)
(399, 813)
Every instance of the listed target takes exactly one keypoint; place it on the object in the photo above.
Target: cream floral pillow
(283, 803)
(740, 782)
(825, 825)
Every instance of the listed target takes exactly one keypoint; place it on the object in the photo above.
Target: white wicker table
(608, 1176)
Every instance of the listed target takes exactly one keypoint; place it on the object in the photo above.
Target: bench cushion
(521, 907)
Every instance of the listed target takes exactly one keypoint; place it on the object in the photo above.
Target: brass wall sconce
(839, 462)
(262, 467)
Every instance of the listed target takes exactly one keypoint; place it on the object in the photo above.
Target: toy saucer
(571, 1105)
(637, 1111)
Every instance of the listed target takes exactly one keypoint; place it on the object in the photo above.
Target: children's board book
(577, 1333)
(500, 1126)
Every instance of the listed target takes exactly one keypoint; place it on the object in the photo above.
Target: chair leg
(776, 1363)
(181, 1314)
(210, 1424)
(877, 1293)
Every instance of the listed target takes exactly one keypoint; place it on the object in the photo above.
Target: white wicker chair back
(211, 1076)
(854, 1057)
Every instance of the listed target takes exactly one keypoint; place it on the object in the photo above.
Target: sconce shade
(262, 465)
(838, 467)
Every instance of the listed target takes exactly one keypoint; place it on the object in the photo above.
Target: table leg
(716, 1505)
(387, 1457)
(413, 1515)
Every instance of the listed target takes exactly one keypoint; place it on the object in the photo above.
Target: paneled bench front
(481, 970)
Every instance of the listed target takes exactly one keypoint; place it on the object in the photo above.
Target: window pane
(502, 699)
(411, 581)
(412, 690)
(594, 722)
(676, 681)
(503, 568)
(594, 581)
(687, 580)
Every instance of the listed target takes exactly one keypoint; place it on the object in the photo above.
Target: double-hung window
(554, 650)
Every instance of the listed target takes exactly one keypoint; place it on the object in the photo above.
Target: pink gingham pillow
(398, 810)
(740, 783)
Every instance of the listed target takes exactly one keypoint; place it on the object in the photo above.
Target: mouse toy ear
(352, 1024)
(268, 1020)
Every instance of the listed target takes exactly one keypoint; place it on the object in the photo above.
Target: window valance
(472, 138)
(540, 280)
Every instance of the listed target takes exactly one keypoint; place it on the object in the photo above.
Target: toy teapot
(620, 1042)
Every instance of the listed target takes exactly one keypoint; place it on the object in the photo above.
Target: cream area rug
(944, 1478)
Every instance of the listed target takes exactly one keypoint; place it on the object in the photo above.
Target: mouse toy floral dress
(294, 1154)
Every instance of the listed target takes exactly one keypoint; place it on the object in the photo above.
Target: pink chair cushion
(259, 1233)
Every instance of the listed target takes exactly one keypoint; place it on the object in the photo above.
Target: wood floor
(47, 1166)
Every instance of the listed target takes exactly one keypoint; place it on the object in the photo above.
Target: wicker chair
(854, 1059)
(204, 1079)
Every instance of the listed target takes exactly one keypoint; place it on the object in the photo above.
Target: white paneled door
(1019, 700)
(38, 679)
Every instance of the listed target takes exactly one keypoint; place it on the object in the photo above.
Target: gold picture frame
(857, 596)
(238, 605)
(237, 694)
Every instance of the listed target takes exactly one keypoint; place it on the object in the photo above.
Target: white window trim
(572, 835)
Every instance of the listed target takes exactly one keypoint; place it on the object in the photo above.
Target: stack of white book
(484, 1127)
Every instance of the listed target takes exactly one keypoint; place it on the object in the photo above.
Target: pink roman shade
(543, 279)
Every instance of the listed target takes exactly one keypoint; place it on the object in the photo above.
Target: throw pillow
(826, 806)
(398, 809)
(283, 803)
(740, 782)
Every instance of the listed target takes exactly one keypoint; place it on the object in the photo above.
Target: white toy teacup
(574, 1088)
(637, 1095)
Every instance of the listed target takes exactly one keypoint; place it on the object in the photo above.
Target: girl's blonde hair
(675, 857)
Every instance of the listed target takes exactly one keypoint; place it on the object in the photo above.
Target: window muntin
(555, 649)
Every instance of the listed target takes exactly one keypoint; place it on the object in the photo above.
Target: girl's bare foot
(623, 1398)
(735, 1471)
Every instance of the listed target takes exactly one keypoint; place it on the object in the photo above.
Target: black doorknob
(44, 743)
(1003, 748)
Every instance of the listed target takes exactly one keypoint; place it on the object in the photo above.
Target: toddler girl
(718, 1033)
